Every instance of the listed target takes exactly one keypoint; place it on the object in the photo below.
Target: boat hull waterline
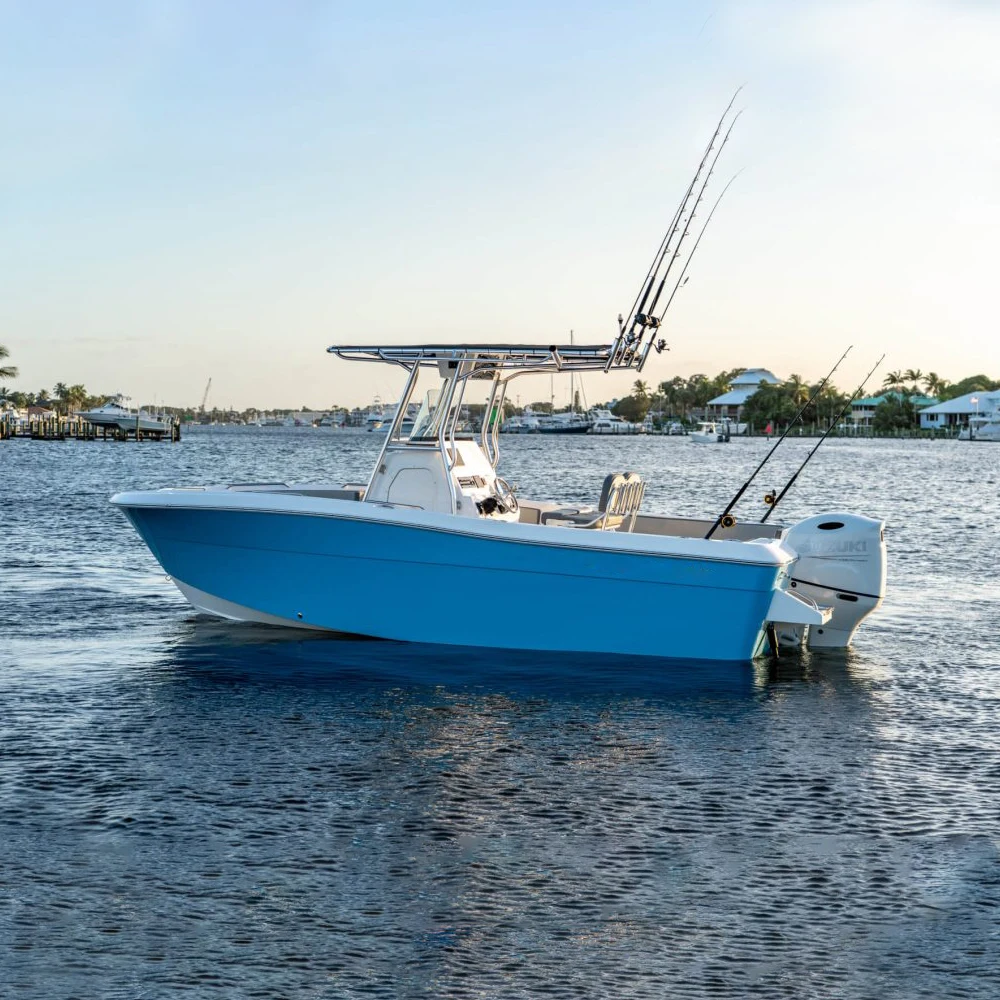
(313, 563)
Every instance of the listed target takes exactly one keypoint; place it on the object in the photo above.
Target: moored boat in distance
(119, 415)
(711, 432)
(564, 423)
(526, 422)
(386, 417)
(984, 425)
(981, 429)
(606, 422)
(374, 415)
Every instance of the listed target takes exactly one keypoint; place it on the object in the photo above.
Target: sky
(195, 190)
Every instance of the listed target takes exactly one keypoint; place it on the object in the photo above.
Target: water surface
(189, 806)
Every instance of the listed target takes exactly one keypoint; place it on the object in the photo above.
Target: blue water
(193, 807)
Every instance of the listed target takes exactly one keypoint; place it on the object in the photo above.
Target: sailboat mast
(572, 394)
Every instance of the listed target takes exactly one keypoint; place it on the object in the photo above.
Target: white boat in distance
(983, 429)
(116, 413)
(606, 422)
(982, 426)
(386, 418)
(711, 432)
(564, 423)
(375, 415)
(527, 422)
(435, 518)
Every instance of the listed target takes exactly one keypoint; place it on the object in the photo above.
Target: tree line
(776, 404)
(682, 398)
(63, 398)
(676, 399)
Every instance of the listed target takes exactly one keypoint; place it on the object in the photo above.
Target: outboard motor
(841, 565)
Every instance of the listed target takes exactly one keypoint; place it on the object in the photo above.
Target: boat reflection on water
(839, 670)
(262, 654)
(215, 650)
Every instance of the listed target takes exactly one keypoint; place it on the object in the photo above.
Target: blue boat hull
(446, 586)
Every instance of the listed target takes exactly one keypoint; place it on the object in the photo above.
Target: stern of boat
(841, 566)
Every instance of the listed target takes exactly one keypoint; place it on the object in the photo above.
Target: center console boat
(436, 522)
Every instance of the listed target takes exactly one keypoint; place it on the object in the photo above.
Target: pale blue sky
(223, 189)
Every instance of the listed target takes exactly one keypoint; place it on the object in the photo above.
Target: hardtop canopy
(489, 359)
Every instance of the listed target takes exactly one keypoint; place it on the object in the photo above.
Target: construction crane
(204, 398)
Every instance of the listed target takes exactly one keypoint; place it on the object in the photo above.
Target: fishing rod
(645, 289)
(647, 282)
(687, 263)
(651, 313)
(647, 319)
(680, 278)
(660, 254)
(724, 519)
(795, 475)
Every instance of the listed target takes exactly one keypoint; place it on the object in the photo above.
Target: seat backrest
(621, 497)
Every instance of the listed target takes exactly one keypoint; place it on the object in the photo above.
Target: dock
(59, 428)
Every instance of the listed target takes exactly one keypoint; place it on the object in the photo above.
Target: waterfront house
(955, 413)
(730, 404)
(863, 410)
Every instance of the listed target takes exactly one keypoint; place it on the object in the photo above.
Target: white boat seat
(621, 497)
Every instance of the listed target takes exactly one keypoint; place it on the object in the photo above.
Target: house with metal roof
(863, 410)
(954, 413)
(730, 404)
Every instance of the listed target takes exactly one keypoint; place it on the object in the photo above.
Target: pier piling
(60, 428)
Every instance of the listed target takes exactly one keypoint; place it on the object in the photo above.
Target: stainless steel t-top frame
(488, 358)
(457, 364)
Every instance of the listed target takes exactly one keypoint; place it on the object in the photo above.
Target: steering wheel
(505, 495)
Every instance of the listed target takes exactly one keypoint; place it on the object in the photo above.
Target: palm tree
(934, 384)
(76, 396)
(913, 375)
(797, 388)
(673, 392)
(640, 389)
(61, 391)
(892, 380)
(6, 371)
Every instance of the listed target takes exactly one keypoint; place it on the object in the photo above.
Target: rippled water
(237, 811)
